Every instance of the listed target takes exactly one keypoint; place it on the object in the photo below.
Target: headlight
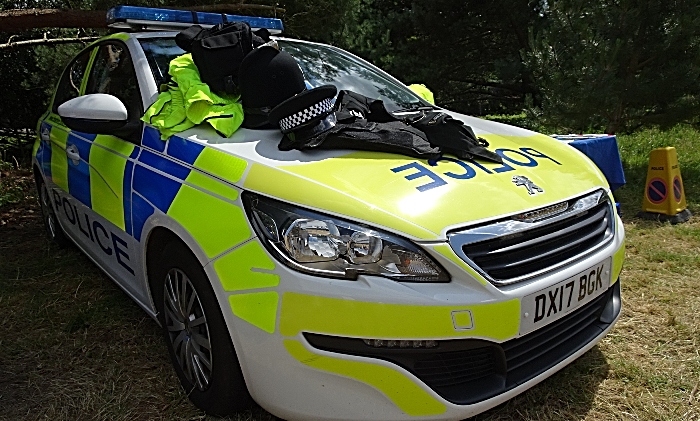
(323, 245)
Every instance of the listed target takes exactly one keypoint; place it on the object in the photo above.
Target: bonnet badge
(532, 188)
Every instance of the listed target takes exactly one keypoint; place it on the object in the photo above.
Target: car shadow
(569, 394)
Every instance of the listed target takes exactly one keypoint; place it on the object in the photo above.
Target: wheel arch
(157, 239)
(162, 242)
(38, 176)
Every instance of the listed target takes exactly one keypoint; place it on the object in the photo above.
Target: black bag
(442, 132)
(452, 136)
(392, 137)
(352, 106)
(218, 51)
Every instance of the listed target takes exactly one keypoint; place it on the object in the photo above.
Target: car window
(113, 73)
(159, 52)
(69, 86)
(321, 65)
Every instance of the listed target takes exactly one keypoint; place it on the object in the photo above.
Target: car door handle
(73, 154)
(45, 134)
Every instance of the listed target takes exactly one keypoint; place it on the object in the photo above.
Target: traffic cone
(664, 195)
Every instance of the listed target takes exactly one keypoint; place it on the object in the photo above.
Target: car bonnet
(420, 199)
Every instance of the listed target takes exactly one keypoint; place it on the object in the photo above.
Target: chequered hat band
(297, 119)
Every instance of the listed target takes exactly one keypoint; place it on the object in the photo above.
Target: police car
(342, 285)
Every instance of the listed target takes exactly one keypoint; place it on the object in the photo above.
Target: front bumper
(313, 364)
(468, 371)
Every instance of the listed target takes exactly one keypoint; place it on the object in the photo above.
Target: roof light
(148, 18)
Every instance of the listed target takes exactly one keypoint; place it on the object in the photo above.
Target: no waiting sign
(657, 191)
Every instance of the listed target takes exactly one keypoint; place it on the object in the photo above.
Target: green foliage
(32, 74)
(523, 120)
(315, 20)
(568, 65)
(617, 65)
(13, 187)
(469, 55)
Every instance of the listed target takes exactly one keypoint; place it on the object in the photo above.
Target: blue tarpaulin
(603, 151)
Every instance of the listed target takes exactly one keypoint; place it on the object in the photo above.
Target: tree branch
(16, 20)
(45, 41)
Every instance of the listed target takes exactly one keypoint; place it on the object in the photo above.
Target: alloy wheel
(47, 212)
(187, 328)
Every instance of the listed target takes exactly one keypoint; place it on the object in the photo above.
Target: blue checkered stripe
(299, 118)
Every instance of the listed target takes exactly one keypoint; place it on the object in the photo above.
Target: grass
(634, 150)
(74, 346)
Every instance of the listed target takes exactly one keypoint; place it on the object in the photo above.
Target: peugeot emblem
(532, 188)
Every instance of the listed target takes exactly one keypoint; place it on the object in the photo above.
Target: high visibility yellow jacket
(188, 101)
(423, 91)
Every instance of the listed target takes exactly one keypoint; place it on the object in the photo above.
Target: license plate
(550, 304)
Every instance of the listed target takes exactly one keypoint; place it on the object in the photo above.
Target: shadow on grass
(569, 394)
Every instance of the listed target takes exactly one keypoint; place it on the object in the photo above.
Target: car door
(110, 160)
(66, 174)
(93, 200)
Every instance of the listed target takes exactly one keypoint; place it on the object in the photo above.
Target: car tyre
(48, 215)
(198, 340)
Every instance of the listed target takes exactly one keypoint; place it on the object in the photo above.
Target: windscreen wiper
(416, 107)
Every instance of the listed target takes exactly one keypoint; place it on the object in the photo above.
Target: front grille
(467, 371)
(512, 250)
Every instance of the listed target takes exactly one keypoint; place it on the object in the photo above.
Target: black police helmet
(267, 77)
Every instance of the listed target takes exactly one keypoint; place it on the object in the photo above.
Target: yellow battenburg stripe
(115, 144)
(120, 35)
(334, 316)
(215, 224)
(237, 269)
(257, 308)
(618, 260)
(107, 185)
(211, 184)
(59, 160)
(220, 164)
(403, 392)
(91, 61)
(293, 188)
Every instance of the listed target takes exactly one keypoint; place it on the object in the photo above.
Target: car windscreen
(321, 65)
(159, 52)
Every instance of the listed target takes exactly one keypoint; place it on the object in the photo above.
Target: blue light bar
(132, 17)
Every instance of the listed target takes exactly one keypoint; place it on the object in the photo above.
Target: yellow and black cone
(664, 195)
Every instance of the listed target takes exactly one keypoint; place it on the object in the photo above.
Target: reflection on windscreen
(159, 52)
(322, 65)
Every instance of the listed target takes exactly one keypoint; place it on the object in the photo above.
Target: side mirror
(94, 113)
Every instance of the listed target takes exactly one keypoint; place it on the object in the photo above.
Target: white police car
(325, 285)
